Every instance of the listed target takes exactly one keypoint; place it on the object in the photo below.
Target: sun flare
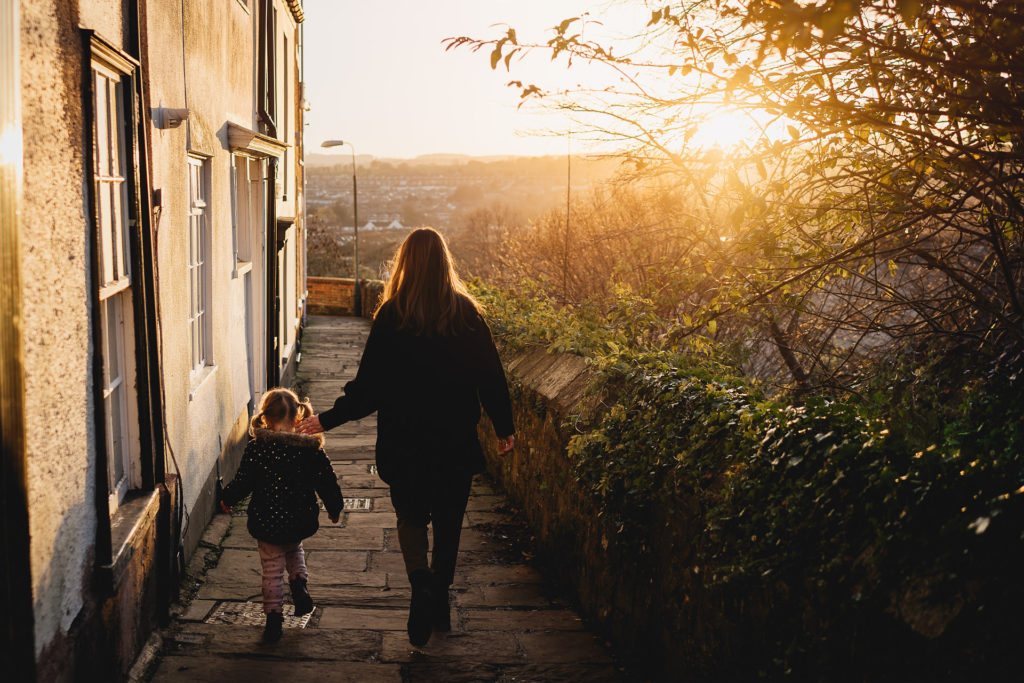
(725, 129)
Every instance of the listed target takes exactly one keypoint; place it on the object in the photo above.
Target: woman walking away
(428, 364)
(284, 471)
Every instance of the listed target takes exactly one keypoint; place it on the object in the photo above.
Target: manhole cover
(251, 614)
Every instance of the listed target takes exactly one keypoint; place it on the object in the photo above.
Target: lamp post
(357, 298)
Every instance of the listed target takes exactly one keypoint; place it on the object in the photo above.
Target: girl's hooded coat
(284, 472)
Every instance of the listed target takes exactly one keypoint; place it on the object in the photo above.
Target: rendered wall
(202, 60)
(57, 347)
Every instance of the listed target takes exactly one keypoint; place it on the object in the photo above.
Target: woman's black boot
(272, 631)
(440, 610)
(300, 597)
(419, 626)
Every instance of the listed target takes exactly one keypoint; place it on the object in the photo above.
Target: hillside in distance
(318, 160)
(441, 189)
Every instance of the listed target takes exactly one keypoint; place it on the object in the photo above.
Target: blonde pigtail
(256, 423)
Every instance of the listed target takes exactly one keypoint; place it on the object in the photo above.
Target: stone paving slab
(303, 644)
(213, 669)
(521, 621)
(507, 626)
(338, 617)
(493, 647)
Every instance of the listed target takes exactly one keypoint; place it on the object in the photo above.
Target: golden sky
(377, 74)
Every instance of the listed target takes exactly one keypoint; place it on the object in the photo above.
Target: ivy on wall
(885, 530)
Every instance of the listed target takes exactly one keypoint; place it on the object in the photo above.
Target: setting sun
(725, 128)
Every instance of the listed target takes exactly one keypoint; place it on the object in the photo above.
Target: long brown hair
(426, 293)
(279, 405)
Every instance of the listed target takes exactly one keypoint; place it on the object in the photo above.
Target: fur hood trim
(290, 438)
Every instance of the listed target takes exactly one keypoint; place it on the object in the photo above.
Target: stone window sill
(241, 268)
(134, 516)
(199, 379)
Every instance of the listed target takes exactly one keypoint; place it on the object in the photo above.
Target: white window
(119, 395)
(111, 189)
(116, 313)
(245, 215)
(198, 267)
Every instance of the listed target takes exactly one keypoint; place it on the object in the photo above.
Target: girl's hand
(311, 425)
(505, 445)
(225, 508)
(333, 518)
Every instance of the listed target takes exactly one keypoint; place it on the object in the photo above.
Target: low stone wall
(646, 611)
(335, 296)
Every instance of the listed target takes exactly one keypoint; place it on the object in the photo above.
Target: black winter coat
(427, 391)
(284, 472)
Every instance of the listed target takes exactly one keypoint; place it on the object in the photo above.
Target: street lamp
(357, 299)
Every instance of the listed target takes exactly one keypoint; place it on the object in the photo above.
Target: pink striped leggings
(275, 559)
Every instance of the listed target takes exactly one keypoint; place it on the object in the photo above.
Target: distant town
(448, 192)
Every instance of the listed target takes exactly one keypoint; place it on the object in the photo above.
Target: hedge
(833, 538)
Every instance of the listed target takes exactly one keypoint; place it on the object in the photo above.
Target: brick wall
(333, 295)
(329, 295)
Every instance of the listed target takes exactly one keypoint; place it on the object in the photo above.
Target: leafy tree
(880, 201)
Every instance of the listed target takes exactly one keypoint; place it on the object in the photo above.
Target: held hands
(225, 508)
(311, 425)
(505, 445)
(334, 518)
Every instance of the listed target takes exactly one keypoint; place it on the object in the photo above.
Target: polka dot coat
(284, 472)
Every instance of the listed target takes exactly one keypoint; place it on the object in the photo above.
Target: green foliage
(860, 525)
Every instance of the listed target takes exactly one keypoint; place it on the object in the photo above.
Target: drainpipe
(302, 133)
(273, 303)
(151, 366)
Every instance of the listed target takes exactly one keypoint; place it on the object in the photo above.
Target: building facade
(153, 288)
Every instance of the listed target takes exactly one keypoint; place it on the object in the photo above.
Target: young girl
(284, 471)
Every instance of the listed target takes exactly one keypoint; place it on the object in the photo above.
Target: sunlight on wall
(10, 145)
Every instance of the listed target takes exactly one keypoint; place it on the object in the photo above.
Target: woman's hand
(311, 425)
(334, 518)
(505, 445)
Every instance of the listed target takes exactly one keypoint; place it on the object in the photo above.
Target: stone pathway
(506, 626)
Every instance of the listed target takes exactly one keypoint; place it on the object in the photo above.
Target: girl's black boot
(272, 630)
(419, 626)
(300, 597)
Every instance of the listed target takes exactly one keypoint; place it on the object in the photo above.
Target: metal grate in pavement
(353, 504)
(251, 614)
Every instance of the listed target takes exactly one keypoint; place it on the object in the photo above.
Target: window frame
(112, 134)
(199, 271)
(241, 213)
(266, 90)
